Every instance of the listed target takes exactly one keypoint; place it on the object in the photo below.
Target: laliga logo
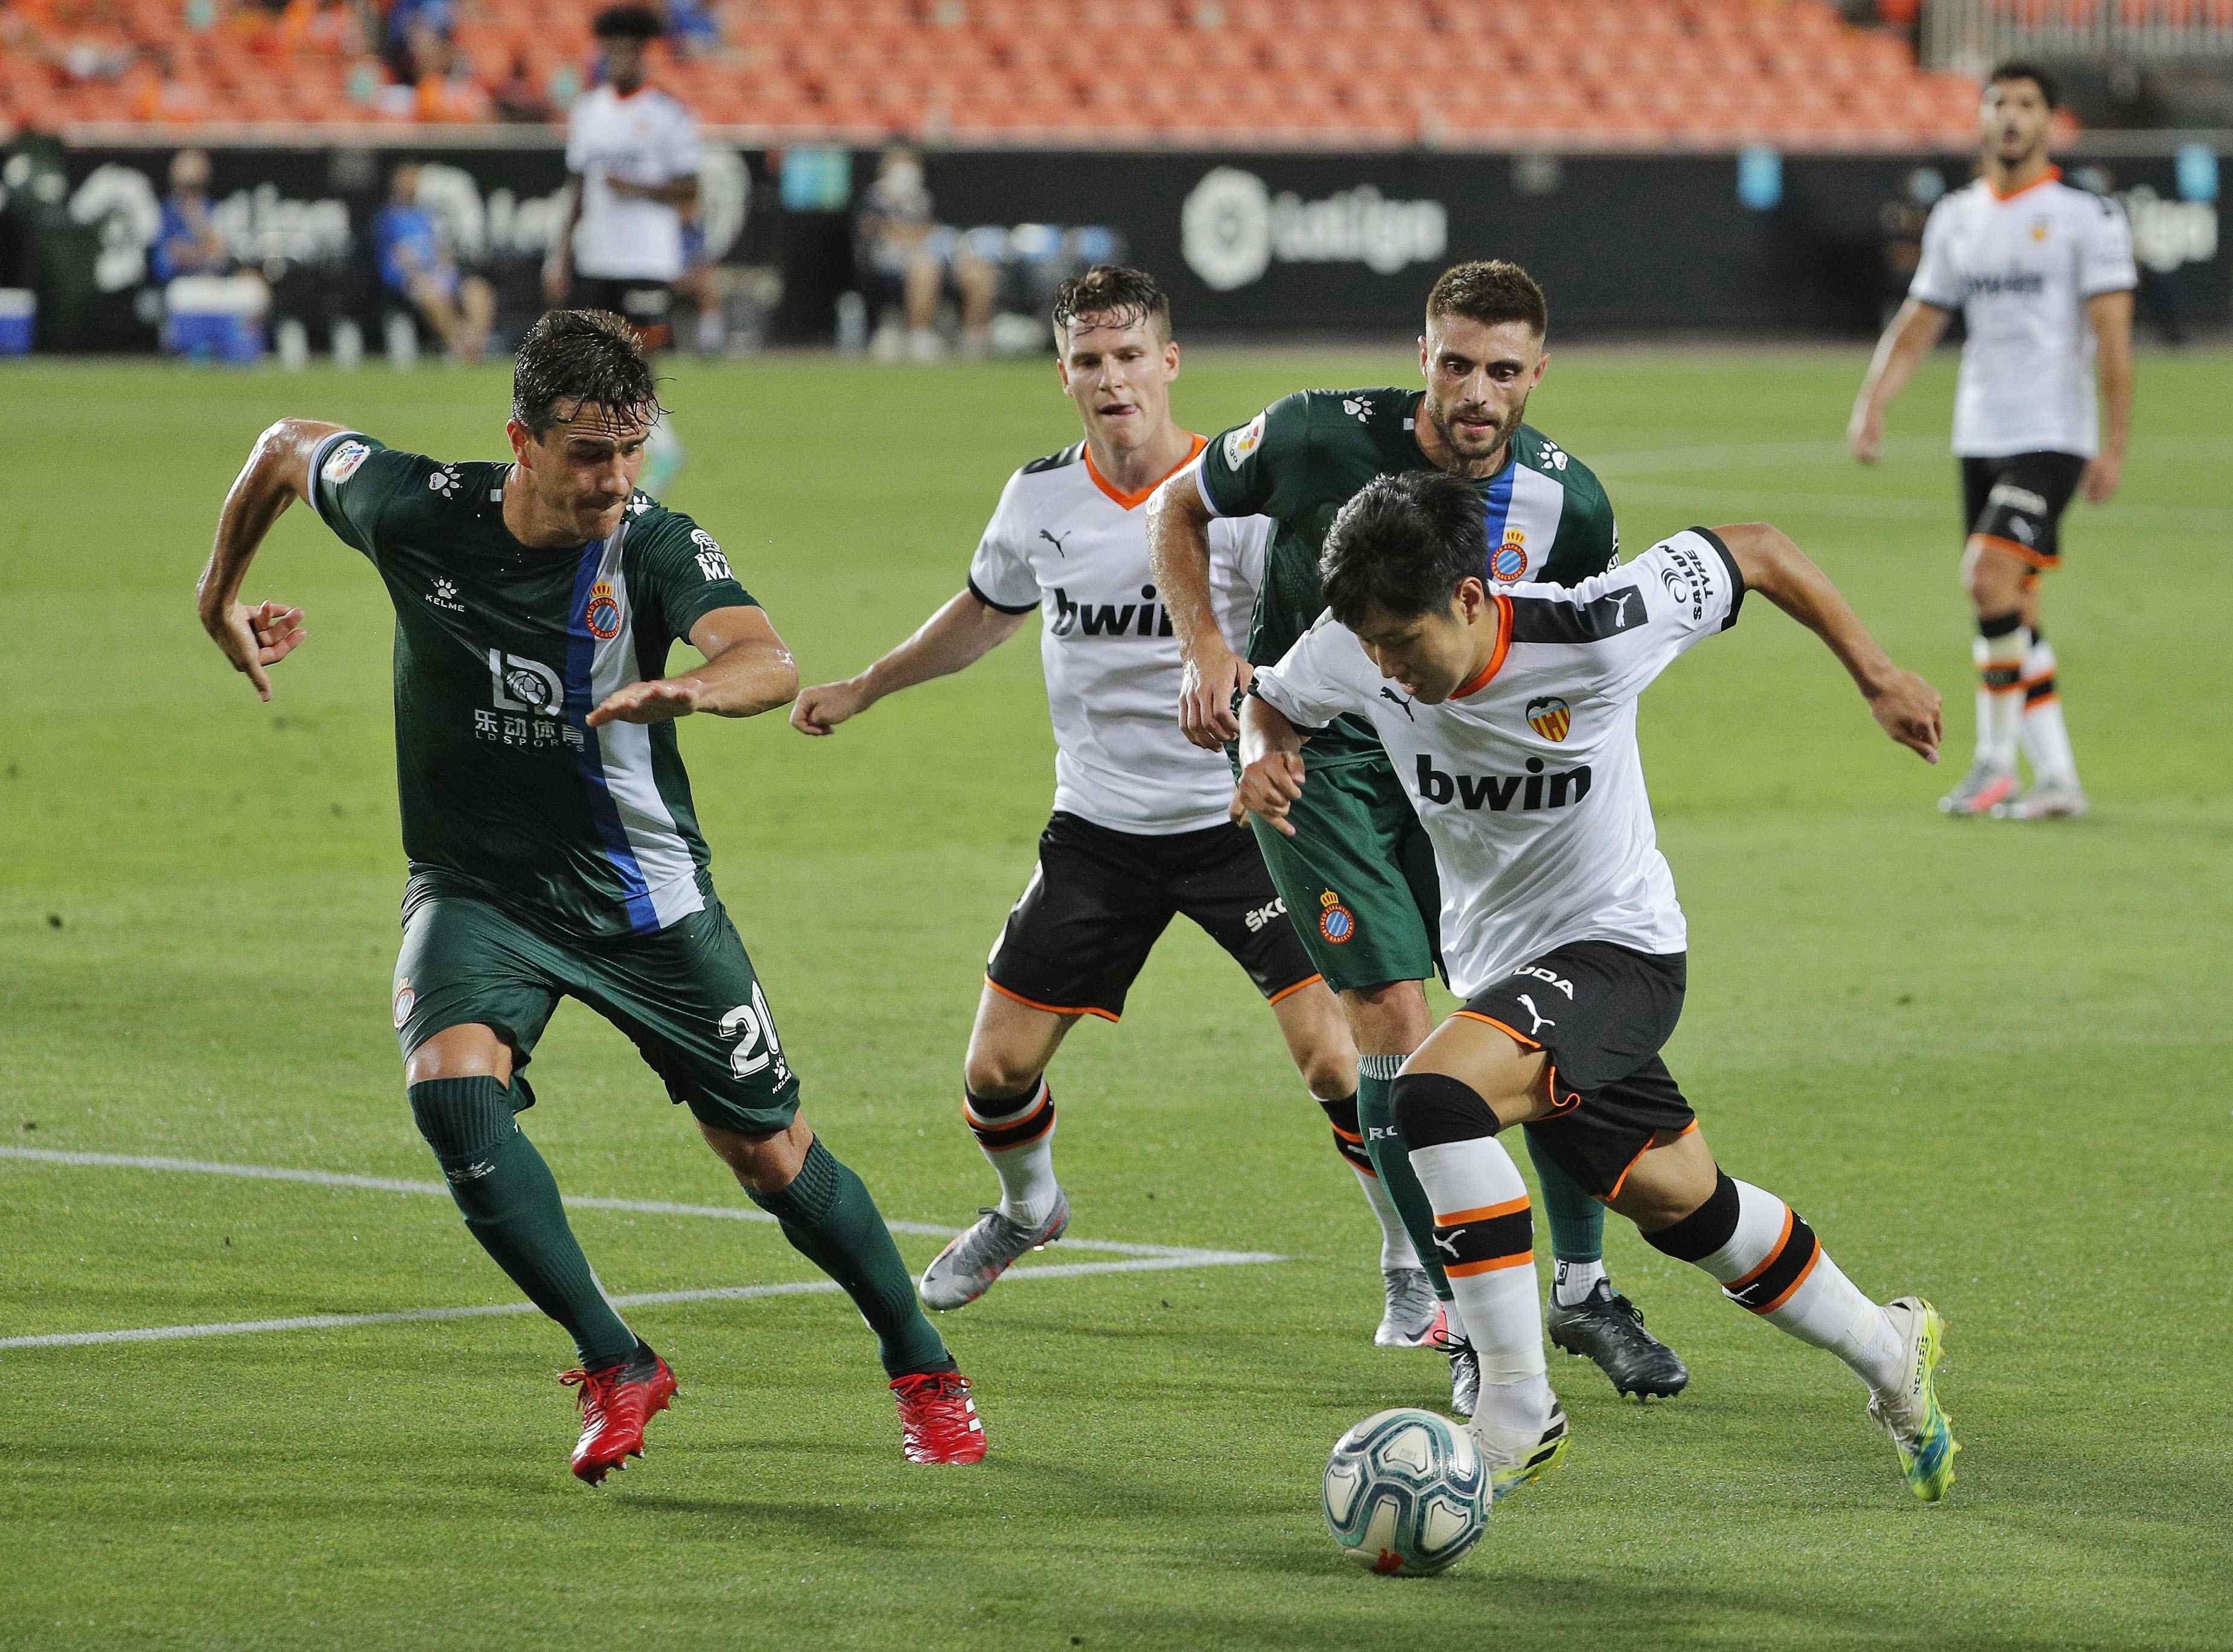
(1232, 228)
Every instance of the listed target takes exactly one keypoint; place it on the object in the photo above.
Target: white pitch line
(644, 1299)
(575, 1201)
(1138, 1258)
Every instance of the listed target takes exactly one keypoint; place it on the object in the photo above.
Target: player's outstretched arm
(1910, 338)
(747, 671)
(1904, 706)
(957, 636)
(277, 473)
(2111, 315)
(1270, 766)
(1178, 556)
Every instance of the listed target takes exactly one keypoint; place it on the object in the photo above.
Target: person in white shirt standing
(1139, 832)
(1511, 716)
(632, 167)
(2044, 278)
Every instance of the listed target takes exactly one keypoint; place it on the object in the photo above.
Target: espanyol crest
(1550, 716)
(602, 616)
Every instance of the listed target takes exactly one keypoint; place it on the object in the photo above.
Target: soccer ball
(1406, 1493)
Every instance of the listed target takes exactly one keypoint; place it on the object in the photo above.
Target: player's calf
(1769, 1261)
(1484, 1230)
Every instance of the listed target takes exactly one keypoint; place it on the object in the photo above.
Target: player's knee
(1705, 1228)
(999, 1073)
(462, 1119)
(1433, 1109)
(1388, 1019)
(1992, 577)
(1330, 1072)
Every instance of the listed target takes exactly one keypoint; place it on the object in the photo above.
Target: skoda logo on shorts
(1336, 922)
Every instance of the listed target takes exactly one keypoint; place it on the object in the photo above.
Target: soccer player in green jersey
(553, 848)
(1358, 875)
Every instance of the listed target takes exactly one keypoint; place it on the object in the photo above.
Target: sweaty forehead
(593, 421)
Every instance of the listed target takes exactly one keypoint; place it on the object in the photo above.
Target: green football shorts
(1358, 877)
(687, 996)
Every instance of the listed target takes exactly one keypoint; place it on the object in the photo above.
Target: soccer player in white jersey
(632, 167)
(2044, 276)
(1140, 831)
(1511, 715)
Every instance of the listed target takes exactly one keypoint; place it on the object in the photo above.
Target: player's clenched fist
(1206, 696)
(820, 710)
(1268, 789)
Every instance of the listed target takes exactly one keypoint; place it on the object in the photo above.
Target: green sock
(830, 1219)
(1576, 1221)
(510, 1202)
(1375, 1080)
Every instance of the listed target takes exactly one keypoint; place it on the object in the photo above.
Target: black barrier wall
(1275, 245)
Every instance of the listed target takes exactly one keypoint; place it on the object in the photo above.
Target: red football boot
(616, 1403)
(938, 1420)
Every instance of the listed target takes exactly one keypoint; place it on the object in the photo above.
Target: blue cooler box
(216, 318)
(19, 311)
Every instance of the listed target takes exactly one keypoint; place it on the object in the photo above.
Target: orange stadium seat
(1306, 72)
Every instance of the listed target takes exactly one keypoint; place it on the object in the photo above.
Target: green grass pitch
(1987, 1062)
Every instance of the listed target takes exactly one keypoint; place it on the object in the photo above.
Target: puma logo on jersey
(1395, 698)
(1498, 793)
(1541, 1020)
(1056, 540)
(1146, 618)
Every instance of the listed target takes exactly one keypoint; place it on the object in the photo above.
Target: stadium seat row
(1301, 71)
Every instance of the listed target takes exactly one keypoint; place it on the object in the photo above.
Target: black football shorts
(1100, 899)
(2016, 504)
(1602, 1012)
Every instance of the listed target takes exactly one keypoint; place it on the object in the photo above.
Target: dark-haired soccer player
(1139, 833)
(1358, 875)
(1511, 716)
(2043, 275)
(553, 848)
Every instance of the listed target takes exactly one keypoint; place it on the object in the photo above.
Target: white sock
(1396, 1250)
(2046, 737)
(1026, 1167)
(1572, 1283)
(1485, 1231)
(1775, 1267)
(2000, 711)
(1512, 1414)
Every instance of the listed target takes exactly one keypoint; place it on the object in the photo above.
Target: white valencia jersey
(645, 138)
(1528, 780)
(2020, 268)
(1065, 540)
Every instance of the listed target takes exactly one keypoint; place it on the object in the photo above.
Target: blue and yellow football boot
(1920, 1429)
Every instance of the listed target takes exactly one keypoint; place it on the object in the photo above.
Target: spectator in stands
(446, 89)
(187, 241)
(415, 28)
(695, 28)
(907, 254)
(520, 97)
(417, 265)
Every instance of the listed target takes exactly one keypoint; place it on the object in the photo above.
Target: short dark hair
(1490, 291)
(575, 357)
(2018, 69)
(629, 22)
(1403, 545)
(1127, 296)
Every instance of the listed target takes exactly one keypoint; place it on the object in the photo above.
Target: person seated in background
(520, 97)
(695, 28)
(415, 28)
(187, 242)
(416, 263)
(446, 90)
(908, 254)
